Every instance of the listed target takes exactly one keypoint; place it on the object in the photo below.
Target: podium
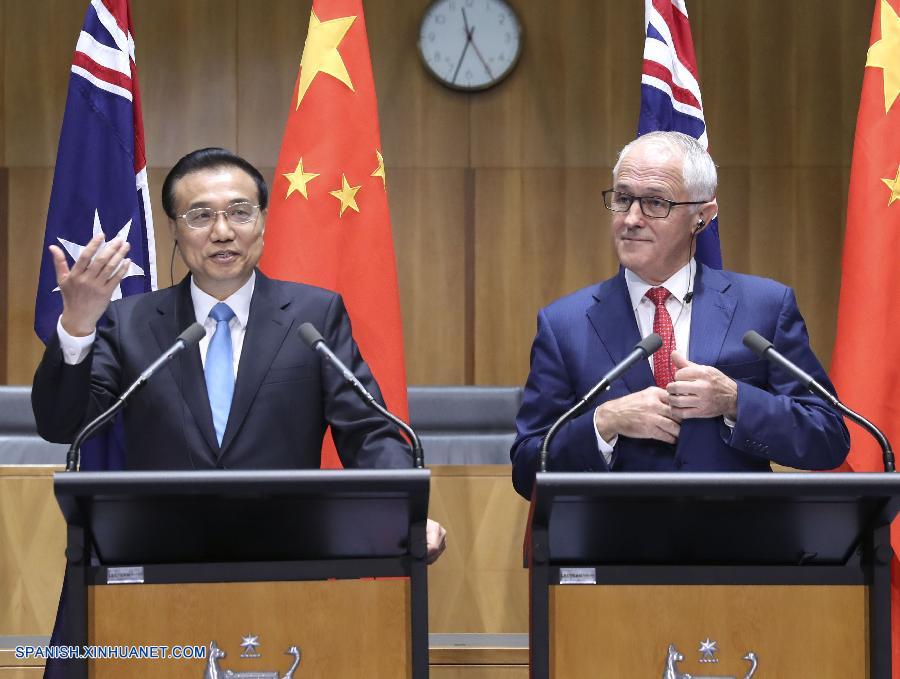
(708, 574)
(171, 573)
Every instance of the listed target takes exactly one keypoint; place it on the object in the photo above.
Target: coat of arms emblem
(708, 651)
(213, 671)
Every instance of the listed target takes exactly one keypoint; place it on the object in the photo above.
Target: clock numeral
(437, 55)
(508, 38)
(440, 19)
(470, 3)
(431, 36)
(452, 6)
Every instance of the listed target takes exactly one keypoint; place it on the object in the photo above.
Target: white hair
(698, 169)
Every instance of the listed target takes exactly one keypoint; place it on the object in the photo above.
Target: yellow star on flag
(320, 54)
(299, 179)
(885, 54)
(379, 171)
(346, 194)
(894, 186)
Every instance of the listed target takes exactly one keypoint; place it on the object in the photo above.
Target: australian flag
(100, 185)
(670, 93)
(100, 182)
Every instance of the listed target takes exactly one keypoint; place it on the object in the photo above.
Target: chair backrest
(465, 425)
(19, 440)
(457, 425)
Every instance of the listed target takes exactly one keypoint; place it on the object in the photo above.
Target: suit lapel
(613, 320)
(267, 327)
(176, 312)
(711, 315)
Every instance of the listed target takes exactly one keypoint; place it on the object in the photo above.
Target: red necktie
(663, 370)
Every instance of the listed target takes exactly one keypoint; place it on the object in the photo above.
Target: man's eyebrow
(208, 203)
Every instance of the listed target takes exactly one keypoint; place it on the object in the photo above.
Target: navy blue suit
(583, 335)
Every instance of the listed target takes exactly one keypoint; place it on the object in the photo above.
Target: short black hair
(208, 159)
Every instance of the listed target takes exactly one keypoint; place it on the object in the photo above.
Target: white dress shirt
(76, 349)
(679, 284)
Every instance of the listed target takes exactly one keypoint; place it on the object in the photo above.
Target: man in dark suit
(252, 395)
(704, 402)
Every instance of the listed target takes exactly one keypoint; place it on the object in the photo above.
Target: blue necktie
(219, 368)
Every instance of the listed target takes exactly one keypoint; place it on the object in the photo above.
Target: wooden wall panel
(4, 269)
(29, 194)
(186, 54)
(540, 233)
(429, 233)
(573, 99)
(423, 124)
(39, 42)
(479, 584)
(32, 544)
(269, 53)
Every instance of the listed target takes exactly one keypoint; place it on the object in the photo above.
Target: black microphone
(191, 336)
(314, 339)
(763, 347)
(643, 349)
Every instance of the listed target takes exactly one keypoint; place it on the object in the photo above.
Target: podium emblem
(213, 671)
(708, 650)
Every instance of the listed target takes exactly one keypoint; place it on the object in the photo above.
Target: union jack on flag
(670, 93)
(100, 181)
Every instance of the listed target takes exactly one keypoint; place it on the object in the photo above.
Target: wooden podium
(266, 574)
(711, 575)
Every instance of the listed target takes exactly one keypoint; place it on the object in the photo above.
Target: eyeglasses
(655, 208)
(236, 213)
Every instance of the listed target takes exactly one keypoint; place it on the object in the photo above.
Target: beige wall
(494, 196)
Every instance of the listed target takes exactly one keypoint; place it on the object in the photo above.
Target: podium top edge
(717, 483)
(276, 480)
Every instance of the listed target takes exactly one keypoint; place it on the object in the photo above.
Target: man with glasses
(253, 396)
(703, 402)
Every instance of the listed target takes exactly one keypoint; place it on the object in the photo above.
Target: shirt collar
(239, 301)
(678, 283)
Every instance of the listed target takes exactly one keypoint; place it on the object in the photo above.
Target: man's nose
(634, 216)
(221, 228)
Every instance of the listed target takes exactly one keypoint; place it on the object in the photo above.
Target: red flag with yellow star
(866, 364)
(328, 221)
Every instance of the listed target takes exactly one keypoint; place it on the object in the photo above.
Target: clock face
(470, 44)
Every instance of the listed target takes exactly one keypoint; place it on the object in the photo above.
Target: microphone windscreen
(193, 334)
(309, 334)
(756, 342)
(650, 344)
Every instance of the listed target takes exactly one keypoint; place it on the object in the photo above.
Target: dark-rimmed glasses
(651, 206)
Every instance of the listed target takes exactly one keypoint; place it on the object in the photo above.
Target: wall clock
(470, 44)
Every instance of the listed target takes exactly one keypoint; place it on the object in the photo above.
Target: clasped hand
(698, 391)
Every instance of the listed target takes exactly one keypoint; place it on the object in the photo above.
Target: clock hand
(478, 52)
(469, 32)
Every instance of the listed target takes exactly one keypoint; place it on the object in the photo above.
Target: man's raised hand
(88, 286)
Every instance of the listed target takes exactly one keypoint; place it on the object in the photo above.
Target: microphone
(313, 338)
(191, 336)
(763, 348)
(643, 349)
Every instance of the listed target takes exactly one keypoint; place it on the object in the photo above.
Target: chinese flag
(866, 365)
(328, 222)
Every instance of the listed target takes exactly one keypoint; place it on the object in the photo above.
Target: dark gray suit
(284, 395)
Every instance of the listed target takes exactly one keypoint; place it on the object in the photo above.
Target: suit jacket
(582, 336)
(284, 396)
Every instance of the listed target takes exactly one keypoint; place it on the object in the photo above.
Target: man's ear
(708, 212)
